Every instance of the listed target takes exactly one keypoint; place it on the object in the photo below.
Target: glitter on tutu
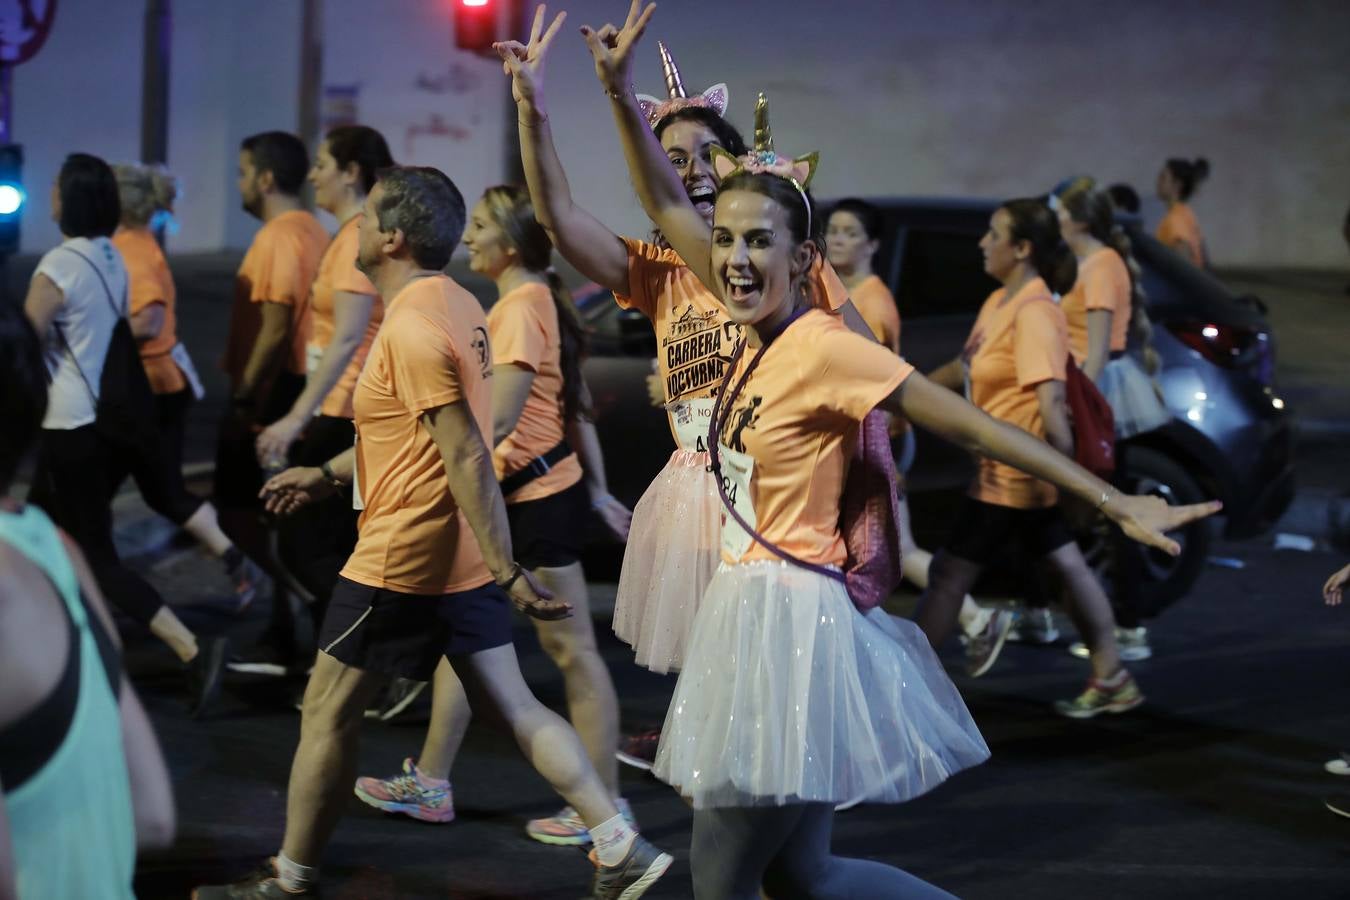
(790, 695)
(672, 553)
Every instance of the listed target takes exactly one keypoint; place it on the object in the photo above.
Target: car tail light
(1229, 346)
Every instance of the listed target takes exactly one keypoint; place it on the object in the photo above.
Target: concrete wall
(901, 96)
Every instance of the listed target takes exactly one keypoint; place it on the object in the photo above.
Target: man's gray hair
(425, 205)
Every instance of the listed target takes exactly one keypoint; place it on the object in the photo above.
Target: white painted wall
(901, 96)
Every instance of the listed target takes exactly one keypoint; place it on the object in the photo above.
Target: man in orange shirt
(269, 323)
(432, 574)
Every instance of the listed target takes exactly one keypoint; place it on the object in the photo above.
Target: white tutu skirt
(790, 695)
(1134, 401)
(673, 550)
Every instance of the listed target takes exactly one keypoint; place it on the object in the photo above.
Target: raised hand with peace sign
(525, 62)
(612, 48)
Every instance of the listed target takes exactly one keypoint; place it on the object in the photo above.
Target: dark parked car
(1231, 437)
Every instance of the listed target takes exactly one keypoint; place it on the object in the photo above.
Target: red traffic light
(476, 24)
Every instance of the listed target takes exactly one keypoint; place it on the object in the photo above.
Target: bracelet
(516, 571)
(329, 476)
(1106, 498)
(618, 95)
(530, 122)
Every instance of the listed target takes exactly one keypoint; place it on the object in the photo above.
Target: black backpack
(124, 405)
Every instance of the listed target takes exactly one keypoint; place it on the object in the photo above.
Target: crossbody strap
(721, 412)
(107, 292)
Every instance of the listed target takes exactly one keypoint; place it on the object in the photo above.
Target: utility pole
(311, 71)
(155, 81)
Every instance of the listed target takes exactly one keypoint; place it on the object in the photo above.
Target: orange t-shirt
(150, 281)
(1013, 347)
(876, 304)
(523, 325)
(1181, 225)
(279, 267)
(694, 335)
(432, 350)
(1103, 283)
(797, 419)
(338, 272)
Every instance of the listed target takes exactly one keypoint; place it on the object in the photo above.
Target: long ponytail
(573, 349)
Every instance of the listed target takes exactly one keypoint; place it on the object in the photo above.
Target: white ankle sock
(613, 839)
(293, 876)
(427, 781)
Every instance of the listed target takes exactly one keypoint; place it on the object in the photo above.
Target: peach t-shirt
(1180, 224)
(150, 282)
(1013, 347)
(694, 335)
(523, 325)
(797, 418)
(1103, 283)
(876, 304)
(279, 267)
(432, 350)
(338, 272)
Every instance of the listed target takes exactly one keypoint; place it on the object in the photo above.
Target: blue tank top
(71, 824)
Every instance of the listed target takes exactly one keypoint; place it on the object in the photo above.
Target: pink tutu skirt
(673, 550)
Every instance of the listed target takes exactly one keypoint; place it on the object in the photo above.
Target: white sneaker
(1131, 643)
(1340, 765)
(1034, 626)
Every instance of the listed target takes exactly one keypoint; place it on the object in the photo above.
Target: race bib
(180, 358)
(690, 420)
(357, 502)
(737, 470)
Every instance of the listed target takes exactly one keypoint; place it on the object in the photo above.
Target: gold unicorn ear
(804, 168)
(723, 162)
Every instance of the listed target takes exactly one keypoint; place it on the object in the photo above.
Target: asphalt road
(1213, 788)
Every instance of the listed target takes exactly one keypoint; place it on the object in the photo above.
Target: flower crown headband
(763, 160)
(655, 109)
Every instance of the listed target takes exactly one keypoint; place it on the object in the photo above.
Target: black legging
(160, 479)
(77, 475)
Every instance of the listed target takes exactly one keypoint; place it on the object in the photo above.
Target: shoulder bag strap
(722, 411)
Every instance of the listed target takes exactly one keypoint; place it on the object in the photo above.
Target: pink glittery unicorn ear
(651, 108)
(717, 98)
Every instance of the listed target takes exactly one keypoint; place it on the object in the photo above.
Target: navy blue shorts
(549, 533)
(405, 635)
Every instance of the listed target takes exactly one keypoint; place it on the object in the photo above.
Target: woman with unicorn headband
(791, 700)
(672, 545)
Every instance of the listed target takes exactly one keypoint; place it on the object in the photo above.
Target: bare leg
(450, 716)
(1089, 608)
(325, 760)
(592, 704)
(914, 566)
(493, 677)
(170, 629)
(951, 579)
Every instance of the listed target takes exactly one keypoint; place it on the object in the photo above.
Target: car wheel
(1163, 579)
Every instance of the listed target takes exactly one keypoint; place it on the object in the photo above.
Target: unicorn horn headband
(654, 109)
(764, 160)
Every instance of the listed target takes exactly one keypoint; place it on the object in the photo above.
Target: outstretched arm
(1144, 519)
(658, 186)
(593, 249)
